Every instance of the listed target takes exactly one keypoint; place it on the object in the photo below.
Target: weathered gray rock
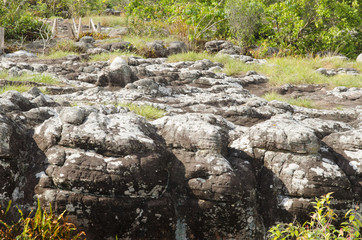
(93, 51)
(284, 135)
(347, 149)
(359, 58)
(118, 74)
(221, 46)
(156, 49)
(113, 162)
(87, 39)
(177, 47)
(18, 100)
(20, 53)
(221, 184)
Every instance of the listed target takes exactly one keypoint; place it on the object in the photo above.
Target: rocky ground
(222, 164)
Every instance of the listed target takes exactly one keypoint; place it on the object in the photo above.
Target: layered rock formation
(222, 163)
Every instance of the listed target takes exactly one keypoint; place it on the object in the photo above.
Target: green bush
(18, 22)
(245, 20)
(321, 225)
(41, 225)
(194, 20)
(311, 26)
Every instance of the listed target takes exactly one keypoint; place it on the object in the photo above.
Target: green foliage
(19, 23)
(245, 20)
(39, 225)
(321, 225)
(310, 26)
(192, 20)
(300, 26)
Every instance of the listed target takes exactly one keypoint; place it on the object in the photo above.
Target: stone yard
(223, 163)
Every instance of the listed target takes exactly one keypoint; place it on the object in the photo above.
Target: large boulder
(347, 150)
(292, 168)
(109, 171)
(156, 49)
(218, 189)
(119, 74)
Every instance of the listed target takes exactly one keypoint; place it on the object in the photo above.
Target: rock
(221, 156)
(20, 53)
(117, 63)
(83, 46)
(39, 67)
(72, 58)
(122, 46)
(156, 49)
(218, 182)
(94, 51)
(284, 135)
(128, 165)
(223, 47)
(118, 74)
(346, 147)
(87, 39)
(359, 58)
(333, 72)
(18, 100)
(176, 47)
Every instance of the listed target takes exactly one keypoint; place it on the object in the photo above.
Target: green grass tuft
(36, 78)
(19, 88)
(300, 102)
(147, 111)
(28, 79)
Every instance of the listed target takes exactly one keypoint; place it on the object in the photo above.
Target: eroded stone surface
(221, 156)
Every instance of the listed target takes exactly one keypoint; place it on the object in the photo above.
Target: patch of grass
(36, 78)
(19, 88)
(40, 224)
(106, 21)
(190, 56)
(140, 41)
(27, 79)
(147, 111)
(300, 102)
(110, 55)
(283, 70)
(3, 74)
(302, 71)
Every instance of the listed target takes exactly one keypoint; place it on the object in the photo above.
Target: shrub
(19, 23)
(321, 225)
(245, 19)
(314, 25)
(38, 225)
(204, 19)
